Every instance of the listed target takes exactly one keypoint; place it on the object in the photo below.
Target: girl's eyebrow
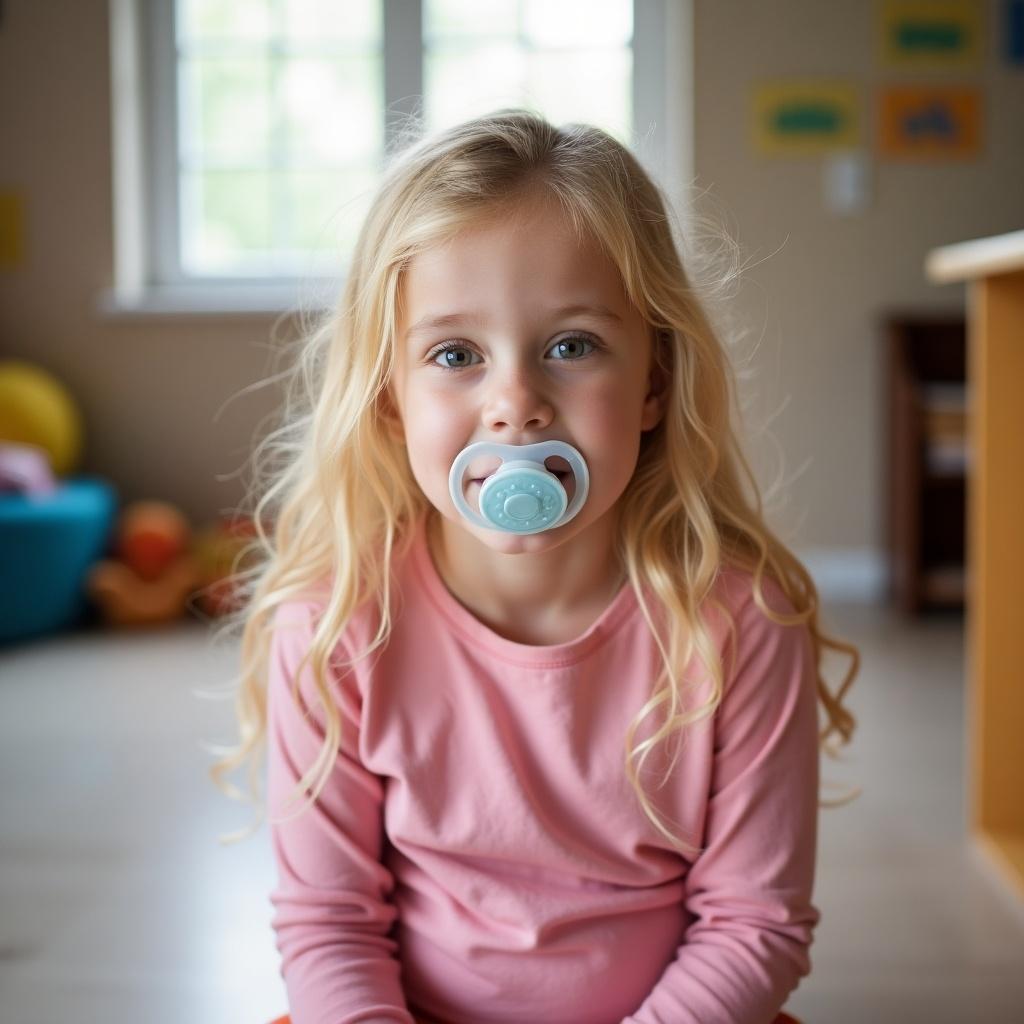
(434, 321)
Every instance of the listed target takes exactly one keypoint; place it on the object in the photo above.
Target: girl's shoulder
(736, 585)
(362, 625)
(304, 610)
(737, 614)
(765, 646)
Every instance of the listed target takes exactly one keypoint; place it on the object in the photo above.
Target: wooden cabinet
(928, 460)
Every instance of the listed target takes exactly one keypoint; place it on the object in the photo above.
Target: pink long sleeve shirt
(478, 856)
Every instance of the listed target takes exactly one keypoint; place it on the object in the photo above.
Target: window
(249, 134)
(279, 116)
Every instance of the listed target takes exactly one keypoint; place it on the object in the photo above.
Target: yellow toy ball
(35, 408)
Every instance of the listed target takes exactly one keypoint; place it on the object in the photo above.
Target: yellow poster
(929, 123)
(930, 34)
(804, 117)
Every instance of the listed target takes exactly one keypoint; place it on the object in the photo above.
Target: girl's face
(518, 365)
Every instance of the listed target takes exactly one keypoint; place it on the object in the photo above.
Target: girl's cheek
(433, 424)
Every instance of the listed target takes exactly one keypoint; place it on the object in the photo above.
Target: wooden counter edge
(980, 257)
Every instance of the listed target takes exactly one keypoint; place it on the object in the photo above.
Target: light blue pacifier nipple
(522, 495)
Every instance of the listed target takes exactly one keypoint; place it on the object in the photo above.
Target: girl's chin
(508, 543)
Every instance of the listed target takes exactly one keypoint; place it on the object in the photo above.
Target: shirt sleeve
(750, 888)
(332, 909)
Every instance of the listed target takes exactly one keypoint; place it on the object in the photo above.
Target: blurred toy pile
(69, 552)
(158, 564)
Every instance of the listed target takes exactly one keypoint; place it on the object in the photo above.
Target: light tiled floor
(118, 905)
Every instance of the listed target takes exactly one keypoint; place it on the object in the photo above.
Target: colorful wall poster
(931, 34)
(929, 122)
(805, 117)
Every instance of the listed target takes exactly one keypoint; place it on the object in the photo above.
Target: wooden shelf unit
(994, 271)
(929, 460)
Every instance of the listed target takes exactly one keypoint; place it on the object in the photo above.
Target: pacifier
(522, 495)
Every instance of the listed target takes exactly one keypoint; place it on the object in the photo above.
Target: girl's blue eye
(563, 346)
(574, 339)
(450, 348)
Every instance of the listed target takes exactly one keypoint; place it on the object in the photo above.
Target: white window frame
(147, 280)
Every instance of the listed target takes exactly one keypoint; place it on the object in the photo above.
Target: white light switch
(846, 182)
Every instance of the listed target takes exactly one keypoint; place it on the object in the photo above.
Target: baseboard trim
(848, 575)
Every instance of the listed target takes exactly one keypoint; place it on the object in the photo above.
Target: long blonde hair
(333, 497)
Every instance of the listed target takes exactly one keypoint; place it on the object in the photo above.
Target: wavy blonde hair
(333, 497)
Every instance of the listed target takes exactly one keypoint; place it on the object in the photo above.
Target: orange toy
(152, 574)
(125, 599)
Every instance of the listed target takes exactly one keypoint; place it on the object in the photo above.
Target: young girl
(546, 680)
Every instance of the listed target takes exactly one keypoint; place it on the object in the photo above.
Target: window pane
(332, 109)
(325, 210)
(470, 18)
(224, 114)
(571, 61)
(226, 221)
(585, 85)
(578, 23)
(280, 130)
(461, 82)
(356, 24)
(224, 19)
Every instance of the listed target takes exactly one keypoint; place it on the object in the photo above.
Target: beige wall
(826, 279)
(150, 390)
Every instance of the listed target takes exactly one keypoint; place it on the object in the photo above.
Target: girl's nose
(515, 404)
